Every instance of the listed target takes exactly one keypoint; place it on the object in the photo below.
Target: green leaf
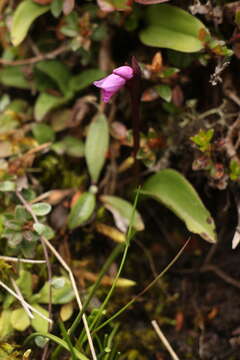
(14, 77)
(97, 146)
(10, 352)
(24, 282)
(44, 230)
(173, 190)
(164, 92)
(74, 147)
(15, 239)
(56, 7)
(234, 170)
(18, 106)
(43, 133)
(122, 282)
(19, 319)
(82, 210)
(47, 102)
(38, 323)
(122, 211)
(66, 311)
(5, 324)
(41, 341)
(173, 28)
(203, 139)
(60, 342)
(7, 186)
(24, 15)
(8, 122)
(41, 209)
(85, 78)
(69, 145)
(57, 71)
(60, 295)
(21, 214)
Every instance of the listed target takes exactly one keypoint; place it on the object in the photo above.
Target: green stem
(103, 271)
(144, 290)
(117, 250)
(106, 300)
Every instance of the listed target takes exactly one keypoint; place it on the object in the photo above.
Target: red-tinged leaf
(150, 2)
(149, 94)
(202, 34)
(68, 6)
(179, 318)
(157, 63)
(177, 96)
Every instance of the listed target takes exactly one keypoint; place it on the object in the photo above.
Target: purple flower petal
(114, 82)
(110, 85)
(106, 95)
(124, 71)
(99, 83)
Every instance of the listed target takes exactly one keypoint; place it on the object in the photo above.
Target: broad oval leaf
(57, 71)
(60, 295)
(24, 15)
(13, 76)
(66, 311)
(173, 190)
(48, 102)
(19, 319)
(173, 28)
(41, 341)
(39, 323)
(7, 186)
(41, 209)
(122, 211)
(24, 282)
(164, 91)
(56, 7)
(69, 145)
(82, 210)
(5, 324)
(44, 230)
(85, 78)
(96, 146)
(43, 133)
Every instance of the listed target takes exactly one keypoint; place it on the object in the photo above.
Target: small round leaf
(19, 319)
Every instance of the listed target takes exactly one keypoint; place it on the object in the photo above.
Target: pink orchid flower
(112, 83)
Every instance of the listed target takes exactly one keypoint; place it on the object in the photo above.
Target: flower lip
(125, 72)
(111, 82)
(110, 85)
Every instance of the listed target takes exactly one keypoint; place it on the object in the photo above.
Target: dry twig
(236, 237)
(228, 279)
(16, 288)
(229, 145)
(20, 260)
(51, 55)
(10, 291)
(164, 340)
